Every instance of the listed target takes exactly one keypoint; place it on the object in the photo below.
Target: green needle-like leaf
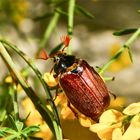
(56, 49)
(19, 125)
(44, 16)
(84, 11)
(31, 129)
(130, 54)
(7, 130)
(125, 31)
(11, 137)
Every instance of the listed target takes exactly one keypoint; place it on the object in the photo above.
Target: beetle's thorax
(65, 63)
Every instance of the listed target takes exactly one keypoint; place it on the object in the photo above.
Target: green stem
(49, 29)
(13, 93)
(45, 112)
(119, 52)
(133, 38)
(71, 8)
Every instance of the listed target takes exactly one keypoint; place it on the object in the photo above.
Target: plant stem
(49, 29)
(71, 8)
(13, 93)
(71, 16)
(119, 52)
(133, 37)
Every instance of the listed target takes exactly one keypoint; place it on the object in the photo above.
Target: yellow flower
(122, 62)
(109, 120)
(49, 79)
(113, 125)
(132, 132)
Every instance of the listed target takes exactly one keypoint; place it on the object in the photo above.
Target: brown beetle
(83, 86)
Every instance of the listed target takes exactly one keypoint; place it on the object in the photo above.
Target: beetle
(83, 86)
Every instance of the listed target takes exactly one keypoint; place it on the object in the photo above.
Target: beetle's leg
(72, 109)
(56, 92)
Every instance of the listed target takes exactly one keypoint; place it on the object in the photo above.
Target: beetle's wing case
(86, 90)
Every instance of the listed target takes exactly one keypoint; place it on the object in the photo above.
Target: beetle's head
(62, 62)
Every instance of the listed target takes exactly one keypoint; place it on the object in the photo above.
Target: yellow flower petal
(117, 134)
(66, 113)
(49, 79)
(104, 131)
(8, 79)
(133, 131)
(19, 88)
(106, 134)
(98, 127)
(110, 116)
(118, 103)
(85, 121)
(61, 99)
(132, 109)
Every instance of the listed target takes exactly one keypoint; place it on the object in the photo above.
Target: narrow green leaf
(2, 134)
(11, 137)
(130, 54)
(12, 121)
(56, 49)
(41, 17)
(7, 130)
(127, 120)
(31, 129)
(19, 125)
(61, 12)
(109, 78)
(125, 31)
(25, 119)
(84, 12)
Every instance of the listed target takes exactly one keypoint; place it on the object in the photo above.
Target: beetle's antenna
(65, 40)
(42, 55)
